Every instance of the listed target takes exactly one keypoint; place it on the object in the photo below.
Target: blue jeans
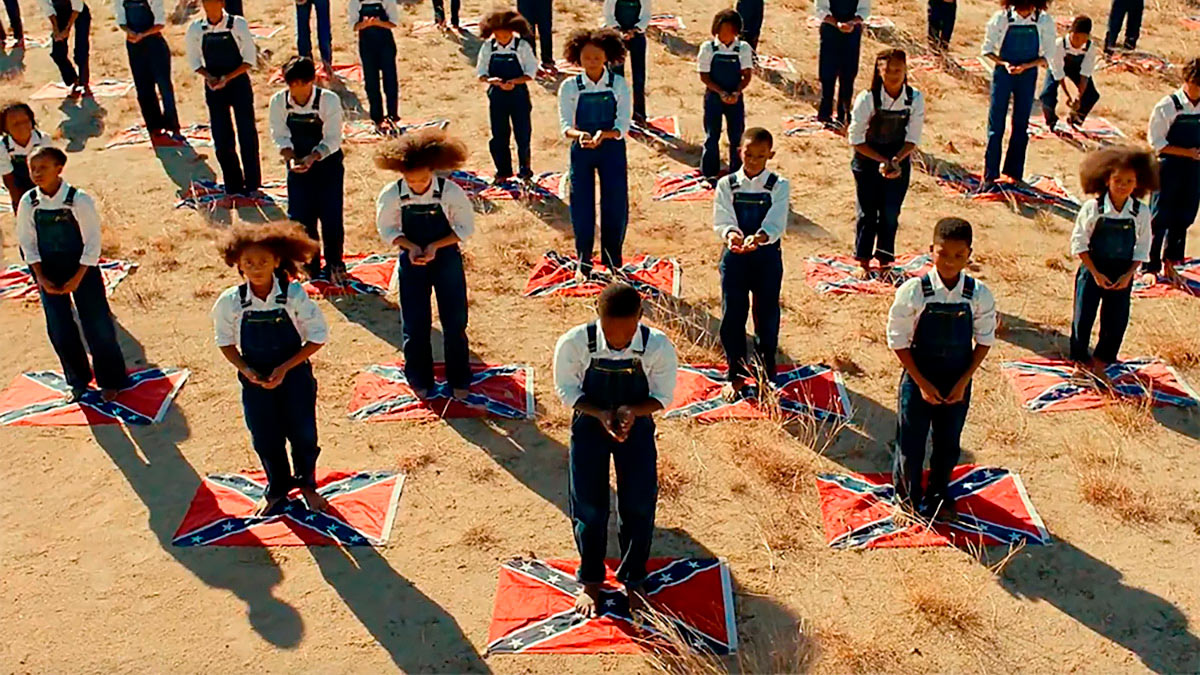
(276, 417)
(13, 7)
(609, 163)
(878, 201)
(1020, 89)
(734, 117)
(315, 196)
(636, 464)
(837, 67)
(235, 102)
(916, 419)
(1128, 12)
(377, 52)
(91, 302)
(1173, 209)
(304, 29)
(80, 72)
(510, 114)
(941, 15)
(758, 274)
(636, 49)
(751, 12)
(444, 277)
(540, 15)
(439, 11)
(1114, 318)
(150, 64)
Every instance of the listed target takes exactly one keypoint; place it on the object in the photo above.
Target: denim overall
(1175, 205)
(1111, 249)
(628, 13)
(316, 196)
(837, 64)
(726, 73)
(79, 71)
(596, 111)
(377, 53)
(232, 103)
(879, 199)
(1021, 45)
(510, 112)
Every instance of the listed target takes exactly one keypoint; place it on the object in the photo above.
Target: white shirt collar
(635, 344)
(938, 284)
(313, 102)
(742, 179)
(602, 82)
(35, 139)
(270, 300)
(1187, 102)
(511, 46)
(220, 24)
(58, 196)
(1127, 209)
(731, 47)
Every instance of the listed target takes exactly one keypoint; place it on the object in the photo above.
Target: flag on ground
(209, 194)
(1095, 129)
(1055, 385)
(664, 128)
(798, 390)
(1038, 190)
(555, 275)
(382, 394)
(40, 399)
(835, 274)
(195, 135)
(809, 125)
(1161, 287)
(548, 185)
(106, 88)
(686, 186)
(16, 283)
(370, 274)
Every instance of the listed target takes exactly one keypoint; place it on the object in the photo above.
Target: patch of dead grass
(672, 480)
(933, 604)
(480, 536)
(1104, 489)
(412, 463)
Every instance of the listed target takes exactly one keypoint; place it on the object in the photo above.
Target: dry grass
(412, 463)
(1106, 490)
(481, 474)
(842, 653)
(790, 649)
(931, 603)
(672, 480)
(480, 536)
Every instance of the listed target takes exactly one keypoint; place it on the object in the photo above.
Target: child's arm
(624, 111)
(725, 222)
(1156, 133)
(704, 68)
(10, 186)
(746, 59)
(1081, 237)
(661, 365)
(483, 62)
(462, 221)
(992, 35)
(245, 40)
(276, 377)
(28, 241)
(568, 96)
(387, 220)
(860, 120)
(277, 124)
(89, 228)
(570, 364)
(225, 327)
(330, 108)
(775, 222)
(916, 126)
(234, 357)
(901, 326)
(984, 324)
(314, 330)
(193, 40)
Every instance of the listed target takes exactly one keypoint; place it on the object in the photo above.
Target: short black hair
(1191, 71)
(1082, 24)
(15, 106)
(953, 229)
(299, 69)
(59, 157)
(729, 16)
(758, 135)
(619, 301)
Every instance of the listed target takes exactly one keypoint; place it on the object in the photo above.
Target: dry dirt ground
(91, 582)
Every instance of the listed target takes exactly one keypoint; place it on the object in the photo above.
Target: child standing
(540, 15)
(149, 61)
(841, 39)
(614, 373)
(726, 65)
(631, 18)
(1074, 59)
(439, 13)
(941, 15)
(750, 213)
(67, 16)
(751, 12)
(1111, 238)
(58, 230)
(507, 64)
(1019, 38)
(885, 128)
(941, 327)
(306, 125)
(221, 49)
(374, 21)
(20, 138)
(427, 217)
(269, 328)
(1129, 13)
(304, 10)
(1174, 133)
(595, 112)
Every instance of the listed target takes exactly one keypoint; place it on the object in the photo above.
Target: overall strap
(611, 76)
(284, 282)
(229, 23)
(908, 95)
(33, 198)
(579, 83)
(1137, 206)
(772, 179)
(8, 143)
(70, 200)
(927, 286)
(244, 295)
(733, 183)
(1176, 101)
(968, 291)
(1100, 204)
(591, 337)
(645, 331)
(877, 97)
(438, 188)
(1008, 13)
(400, 188)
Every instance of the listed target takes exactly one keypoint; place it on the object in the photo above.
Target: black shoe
(77, 394)
(525, 174)
(1051, 122)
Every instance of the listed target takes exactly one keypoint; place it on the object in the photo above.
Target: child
(268, 328)
(1074, 59)
(1174, 133)
(21, 137)
(726, 65)
(221, 49)
(149, 61)
(1019, 38)
(614, 373)
(540, 15)
(1133, 25)
(594, 111)
(841, 38)
(941, 327)
(58, 230)
(885, 128)
(427, 217)
(439, 14)
(306, 125)
(373, 21)
(507, 64)
(631, 18)
(750, 213)
(66, 16)
(304, 10)
(1111, 238)
(751, 12)
(13, 8)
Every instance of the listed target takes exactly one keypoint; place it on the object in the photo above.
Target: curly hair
(1097, 166)
(1039, 5)
(605, 38)
(727, 16)
(15, 106)
(286, 240)
(430, 149)
(504, 19)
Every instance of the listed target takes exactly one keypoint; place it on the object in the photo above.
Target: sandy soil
(92, 584)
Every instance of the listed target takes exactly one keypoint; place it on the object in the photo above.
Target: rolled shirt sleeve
(245, 40)
(119, 12)
(624, 105)
(775, 222)
(314, 329)
(529, 62)
(1088, 67)
(224, 317)
(193, 41)
(916, 119)
(902, 317)
(821, 9)
(26, 232)
(860, 118)
(1047, 38)
(704, 57)
(1142, 225)
(1085, 224)
(330, 109)
(1056, 62)
(89, 227)
(984, 314)
(570, 364)
(277, 116)
(746, 55)
(993, 34)
(353, 11)
(568, 97)
(6, 166)
(724, 217)
(387, 214)
(644, 20)
(864, 9)
(1161, 119)
(483, 59)
(458, 210)
(661, 365)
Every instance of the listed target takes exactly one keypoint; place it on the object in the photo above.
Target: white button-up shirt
(522, 46)
(821, 9)
(997, 28)
(610, 15)
(1164, 115)
(85, 212)
(1087, 67)
(864, 108)
(241, 33)
(725, 218)
(324, 102)
(156, 8)
(47, 7)
(568, 100)
(709, 48)
(572, 359)
(910, 303)
(354, 9)
(454, 201)
(302, 310)
(1089, 213)
(9, 148)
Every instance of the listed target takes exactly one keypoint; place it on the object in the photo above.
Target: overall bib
(1073, 71)
(232, 103)
(837, 64)
(610, 383)
(596, 111)
(877, 199)
(79, 72)
(1021, 44)
(1175, 205)
(758, 275)
(20, 173)
(726, 73)
(377, 52)
(509, 112)
(1111, 249)
(150, 65)
(628, 13)
(315, 196)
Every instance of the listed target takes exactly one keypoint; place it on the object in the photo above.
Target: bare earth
(92, 584)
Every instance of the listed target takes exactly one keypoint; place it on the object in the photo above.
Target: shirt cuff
(985, 341)
(570, 399)
(31, 257)
(225, 342)
(666, 402)
(89, 261)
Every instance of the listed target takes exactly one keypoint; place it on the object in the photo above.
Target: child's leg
(913, 420)
(332, 174)
(1001, 91)
(1114, 319)
(304, 28)
(1158, 230)
(735, 118)
(545, 31)
(637, 64)
(298, 396)
(372, 73)
(894, 192)
(58, 53)
(583, 203)
(847, 72)
(710, 156)
(82, 33)
(522, 125)
(933, 19)
(247, 130)
(868, 196)
(765, 284)
(735, 310)
(1049, 100)
(1133, 28)
(439, 11)
(265, 419)
(324, 30)
(302, 207)
(499, 112)
(587, 487)
(160, 71)
(827, 68)
(220, 120)
(1087, 300)
(614, 202)
(13, 7)
(949, 15)
(1087, 100)
(1116, 17)
(391, 84)
(91, 302)
(64, 337)
(636, 464)
(450, 286)
(751, 12)
(142, 57)
(416, 314)
(947, 423)
(1018, 139)
(454, 7)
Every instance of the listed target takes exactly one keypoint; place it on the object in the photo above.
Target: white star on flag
(515, 643)
(227, 526)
